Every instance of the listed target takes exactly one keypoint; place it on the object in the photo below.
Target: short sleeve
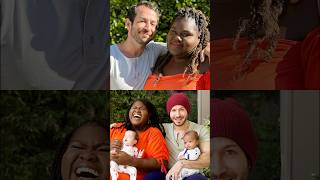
(204, 134)
(117, 132)
(157, 48)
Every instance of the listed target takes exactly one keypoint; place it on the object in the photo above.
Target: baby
(129, 140)
(190, 152)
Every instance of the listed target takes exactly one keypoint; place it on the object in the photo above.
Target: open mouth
(86, 172)
(137, 116)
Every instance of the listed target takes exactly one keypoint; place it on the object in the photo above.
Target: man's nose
(148, 26)
(218, 166)
(178, 114)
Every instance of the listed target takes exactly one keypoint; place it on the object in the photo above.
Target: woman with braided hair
(183, 66)
(152, 156)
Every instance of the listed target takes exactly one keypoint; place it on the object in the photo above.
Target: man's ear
(127, 24)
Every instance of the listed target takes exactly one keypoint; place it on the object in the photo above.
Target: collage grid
(168, 90)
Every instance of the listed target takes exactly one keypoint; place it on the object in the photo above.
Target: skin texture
(87, 148)
(229, 160)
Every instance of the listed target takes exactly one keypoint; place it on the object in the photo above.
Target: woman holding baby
(151, 156)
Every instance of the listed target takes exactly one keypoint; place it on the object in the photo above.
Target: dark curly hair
(153, 120)
(56, 166)
(204, 37)
(262, 24)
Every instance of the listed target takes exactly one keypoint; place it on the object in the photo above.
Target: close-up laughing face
(86, 157)
(138, 114)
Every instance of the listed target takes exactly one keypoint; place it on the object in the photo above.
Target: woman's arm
(148, 164)
(202, 162)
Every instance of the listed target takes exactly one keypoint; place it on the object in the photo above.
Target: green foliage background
(34, 123)
(121, 100)
(168, 8)
(263, 108)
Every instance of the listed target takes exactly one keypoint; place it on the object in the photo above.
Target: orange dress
(151, 141)
(178, 82)
(310, 57)
(260, 75)
(304, 58)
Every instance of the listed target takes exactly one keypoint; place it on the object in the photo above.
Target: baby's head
(191, 139)
(130, 138)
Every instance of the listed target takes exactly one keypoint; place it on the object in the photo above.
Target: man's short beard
(180, 124)
(140, 41)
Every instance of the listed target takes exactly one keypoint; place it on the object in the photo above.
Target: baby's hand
(181, 157)
(113, 125)
(113, 151)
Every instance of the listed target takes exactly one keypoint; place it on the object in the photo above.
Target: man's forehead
(144, 11)
(178, 107)
(223, 142)
(146, 17)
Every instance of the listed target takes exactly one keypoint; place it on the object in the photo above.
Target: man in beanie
(178, 107)
(234, 143)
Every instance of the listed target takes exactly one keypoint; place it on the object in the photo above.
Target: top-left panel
(54, 44)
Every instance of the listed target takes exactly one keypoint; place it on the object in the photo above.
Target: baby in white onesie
(129, 140)
(190, 152)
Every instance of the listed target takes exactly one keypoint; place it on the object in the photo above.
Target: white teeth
(87, 170)
(137, 116)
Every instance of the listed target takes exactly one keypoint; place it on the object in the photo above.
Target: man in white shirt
(131, 61)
